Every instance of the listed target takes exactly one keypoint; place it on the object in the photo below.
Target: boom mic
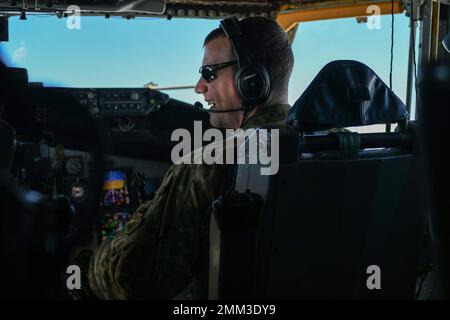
(199, 106)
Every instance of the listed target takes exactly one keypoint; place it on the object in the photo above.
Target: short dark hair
(267, 44)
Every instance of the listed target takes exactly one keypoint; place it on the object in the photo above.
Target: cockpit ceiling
(209, 9)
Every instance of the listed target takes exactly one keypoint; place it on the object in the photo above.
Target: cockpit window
(113, 52)
(117, 52)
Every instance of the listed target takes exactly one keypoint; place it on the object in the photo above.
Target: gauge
(134, 95)
(76, 189)
(78, 193)
(73, 166)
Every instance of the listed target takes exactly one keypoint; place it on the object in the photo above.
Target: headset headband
(230, 27)
(251, 81)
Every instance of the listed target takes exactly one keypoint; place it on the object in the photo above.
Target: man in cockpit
(163, 250)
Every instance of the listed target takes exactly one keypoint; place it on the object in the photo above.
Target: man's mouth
(211, 104)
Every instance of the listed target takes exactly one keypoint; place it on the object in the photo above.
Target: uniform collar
(269, 114)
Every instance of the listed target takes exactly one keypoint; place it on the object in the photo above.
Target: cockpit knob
(134, 96)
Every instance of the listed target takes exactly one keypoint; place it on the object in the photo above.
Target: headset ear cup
(253, 84)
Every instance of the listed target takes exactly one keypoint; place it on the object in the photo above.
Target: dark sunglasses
(208, 71)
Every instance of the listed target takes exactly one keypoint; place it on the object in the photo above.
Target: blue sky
(129, 53)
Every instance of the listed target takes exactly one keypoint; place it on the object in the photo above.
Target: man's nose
(201, 86)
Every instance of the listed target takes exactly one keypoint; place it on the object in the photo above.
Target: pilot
(163, 251)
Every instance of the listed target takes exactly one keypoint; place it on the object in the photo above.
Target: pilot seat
(342, 218)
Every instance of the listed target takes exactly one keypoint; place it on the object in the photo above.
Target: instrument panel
(135, 122)
(119, 102)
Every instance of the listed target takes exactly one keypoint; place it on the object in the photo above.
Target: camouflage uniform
(164, 248)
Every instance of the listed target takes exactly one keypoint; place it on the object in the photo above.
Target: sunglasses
(208, 71)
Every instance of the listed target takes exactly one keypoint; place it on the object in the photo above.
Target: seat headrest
(345, 93)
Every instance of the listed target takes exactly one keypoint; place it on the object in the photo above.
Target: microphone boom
(199, 106)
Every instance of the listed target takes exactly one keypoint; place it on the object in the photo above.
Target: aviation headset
(251, 80)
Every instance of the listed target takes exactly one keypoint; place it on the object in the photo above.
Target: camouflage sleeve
(156, 254)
